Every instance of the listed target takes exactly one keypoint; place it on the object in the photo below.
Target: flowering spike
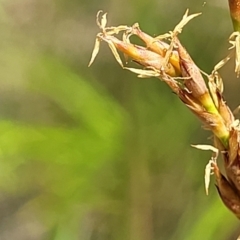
(164, 57)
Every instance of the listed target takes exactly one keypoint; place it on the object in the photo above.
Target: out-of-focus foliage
(95, 153)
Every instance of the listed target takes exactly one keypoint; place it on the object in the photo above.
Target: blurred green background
(97, 153)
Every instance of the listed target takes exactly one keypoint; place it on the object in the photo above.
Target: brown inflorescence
(164, 57)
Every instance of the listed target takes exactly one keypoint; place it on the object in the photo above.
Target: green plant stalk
(234, 6)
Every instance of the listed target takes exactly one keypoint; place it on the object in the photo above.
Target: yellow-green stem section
(220, 130)
(225, 142)
(208, 103)
(236, 25)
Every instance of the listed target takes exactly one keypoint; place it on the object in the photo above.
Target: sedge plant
(165, 58)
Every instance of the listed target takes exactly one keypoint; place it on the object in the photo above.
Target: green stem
(234, 6)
